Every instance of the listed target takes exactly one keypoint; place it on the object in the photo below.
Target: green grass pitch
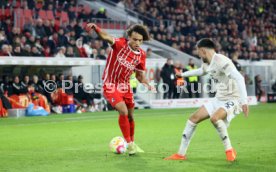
(79, 142)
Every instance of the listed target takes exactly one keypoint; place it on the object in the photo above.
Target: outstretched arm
(101, 33)
(196, 72)
(143, 80)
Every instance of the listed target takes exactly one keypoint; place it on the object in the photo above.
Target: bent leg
(198, 116)
(131, 123)
(123, 120)
(217, 120)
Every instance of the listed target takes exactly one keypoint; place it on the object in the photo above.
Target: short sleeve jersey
(122, 61)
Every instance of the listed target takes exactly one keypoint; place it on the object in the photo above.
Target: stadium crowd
(51, 38)
(19, 92)
(246, 28)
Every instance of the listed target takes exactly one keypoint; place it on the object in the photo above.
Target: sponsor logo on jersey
(126, 63)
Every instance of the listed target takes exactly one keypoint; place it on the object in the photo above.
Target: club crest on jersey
(126, 63)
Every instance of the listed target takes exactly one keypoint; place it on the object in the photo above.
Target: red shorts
(115, 95)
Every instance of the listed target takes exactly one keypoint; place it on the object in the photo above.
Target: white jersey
(219, 69)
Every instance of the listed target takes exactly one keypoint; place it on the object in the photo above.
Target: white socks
(223, 133)
(186, 137)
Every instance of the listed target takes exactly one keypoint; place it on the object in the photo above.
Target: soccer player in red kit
(125, 58)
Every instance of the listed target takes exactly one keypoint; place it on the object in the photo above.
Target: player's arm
(101, 33)
(196, 72)
(236, 75)
(143, 80)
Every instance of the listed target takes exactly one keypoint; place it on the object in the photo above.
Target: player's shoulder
(223, 62)
(121, 40)
(143, 53)
(221, 59)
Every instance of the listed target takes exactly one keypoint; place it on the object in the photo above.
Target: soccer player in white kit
(230, 99)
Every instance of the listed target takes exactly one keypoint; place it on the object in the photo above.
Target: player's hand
(178, 75)
(152, 89)
(90, 26)
(245, 110)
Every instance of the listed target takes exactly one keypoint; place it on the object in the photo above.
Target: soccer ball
(118, 145)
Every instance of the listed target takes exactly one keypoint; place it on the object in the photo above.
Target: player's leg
(198, 116)
(131, 123)
(114, 97)
(123, 120)
(129, 101)
(218, 121)
(132, 128)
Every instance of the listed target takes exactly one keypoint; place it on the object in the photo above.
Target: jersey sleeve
(118, 43)
(142, 65)
(226, 66)
(204, 67)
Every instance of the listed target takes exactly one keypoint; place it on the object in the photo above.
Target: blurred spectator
(258, 87)
(27, 50)
(94, 53)
(17, 51)
(78, 29)
(85, 50)
(192, 85)
(168, 76)
(72, 43)
(53, 77)
(29, 27)
(274, 87)
(179, 81)
(101, 13)
(5, 86)
(39, 28)
(102, 55)
(37, 87)
(235, 61)
(47, 52)
(70, 84)
(61, 52)
(13, 34)
(35, 52)
(3, 38)
(17, 87)
(26, 82)
(84, 95)
(60, 79)
(71, 12)
(70, 52)
(47, 28)
(7, 25)
(5, 51)
(62, 40)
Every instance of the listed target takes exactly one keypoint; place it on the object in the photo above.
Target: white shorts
(232, 108)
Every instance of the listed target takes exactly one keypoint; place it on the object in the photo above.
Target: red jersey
(122, 61)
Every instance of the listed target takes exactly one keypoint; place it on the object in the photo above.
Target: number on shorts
(229, 104)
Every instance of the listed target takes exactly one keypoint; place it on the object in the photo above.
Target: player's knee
(130, 117)
(123, 111)
(214, 119)
(194, 119)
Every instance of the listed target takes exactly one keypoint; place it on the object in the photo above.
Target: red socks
(125, 127)
(132, 126)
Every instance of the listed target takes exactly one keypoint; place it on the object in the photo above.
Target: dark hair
(206, 43)
(142, 30)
